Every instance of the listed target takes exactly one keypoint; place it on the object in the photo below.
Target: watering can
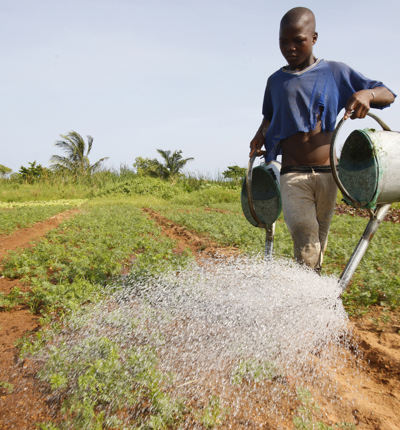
(368, 175)
(261, 198)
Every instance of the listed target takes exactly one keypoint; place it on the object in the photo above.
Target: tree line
(76, 164)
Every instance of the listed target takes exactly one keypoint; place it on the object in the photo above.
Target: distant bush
(33, 173)
(234, 172)
(142, 186)
(122, 181)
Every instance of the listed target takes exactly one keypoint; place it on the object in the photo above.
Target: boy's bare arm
(258, 140)
(359, 103)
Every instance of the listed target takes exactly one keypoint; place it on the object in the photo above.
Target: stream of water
(246, 330)
(246, 321)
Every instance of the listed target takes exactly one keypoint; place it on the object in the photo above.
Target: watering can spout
(373, 224)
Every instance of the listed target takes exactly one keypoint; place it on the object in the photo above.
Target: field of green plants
(82, 262)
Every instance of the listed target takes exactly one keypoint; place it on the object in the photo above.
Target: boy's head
(297, 36)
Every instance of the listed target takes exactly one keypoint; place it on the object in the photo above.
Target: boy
(301, 103)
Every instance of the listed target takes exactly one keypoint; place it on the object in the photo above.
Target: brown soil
(393, 215)
(201, 246)
(373, 404)
(222, 211)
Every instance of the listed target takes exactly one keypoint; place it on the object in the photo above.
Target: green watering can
(368, 175)
(261, 198)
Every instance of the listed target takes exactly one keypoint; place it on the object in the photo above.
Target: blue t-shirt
(293, 100)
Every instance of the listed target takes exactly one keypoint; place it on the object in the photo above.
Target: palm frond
(77, 154)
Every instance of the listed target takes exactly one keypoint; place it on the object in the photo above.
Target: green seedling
(253, 370)
(306, 418)
(213, 414)
(14, 298)
(7, 387)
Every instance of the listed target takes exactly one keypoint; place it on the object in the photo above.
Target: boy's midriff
(307, 148)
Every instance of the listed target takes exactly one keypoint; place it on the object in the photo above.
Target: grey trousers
(308, 202)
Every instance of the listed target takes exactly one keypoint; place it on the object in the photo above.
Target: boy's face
(296, 44)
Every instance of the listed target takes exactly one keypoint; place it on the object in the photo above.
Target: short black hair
(300, 17)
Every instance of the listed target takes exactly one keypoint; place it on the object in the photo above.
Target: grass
(376, 280)
(116, 182)
(43, 191)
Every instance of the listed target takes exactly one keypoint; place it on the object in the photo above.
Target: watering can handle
(249, 182)
(332, 155)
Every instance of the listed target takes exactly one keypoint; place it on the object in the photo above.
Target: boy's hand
(256, 144)
(358, 104)
(258, 141)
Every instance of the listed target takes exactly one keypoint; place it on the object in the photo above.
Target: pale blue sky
(144, 74)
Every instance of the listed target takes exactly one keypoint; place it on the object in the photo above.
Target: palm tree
(77, 159)
(173, 163)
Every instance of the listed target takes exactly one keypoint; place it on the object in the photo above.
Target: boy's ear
(315, 37)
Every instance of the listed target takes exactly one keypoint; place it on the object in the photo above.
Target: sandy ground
(375, 404)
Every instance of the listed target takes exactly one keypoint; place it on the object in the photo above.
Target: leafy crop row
(76, 265)
(20, 216)
(104, 365)
(73, 262)
(103, 379)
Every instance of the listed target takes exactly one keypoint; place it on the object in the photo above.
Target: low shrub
(142, 186)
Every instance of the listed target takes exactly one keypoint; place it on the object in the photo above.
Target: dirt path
(28, 402)
(201, 246)
(375, 404)
(23, 237)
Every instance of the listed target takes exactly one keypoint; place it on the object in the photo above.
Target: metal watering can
(368, 175)
(261, 198)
